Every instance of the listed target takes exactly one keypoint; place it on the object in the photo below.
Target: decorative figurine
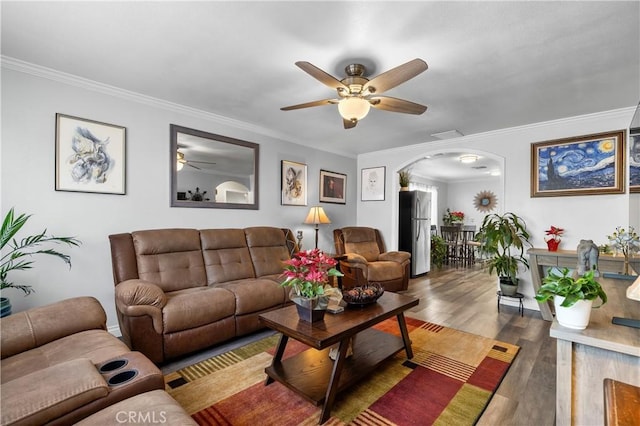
(588, 254)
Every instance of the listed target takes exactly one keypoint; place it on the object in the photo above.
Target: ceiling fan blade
(321, 76)
(310, 104)
(395, 76)
(191, 165)
(388, 103)
(201, 162)
(349, 124)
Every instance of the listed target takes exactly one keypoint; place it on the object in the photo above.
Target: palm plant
(19, 254)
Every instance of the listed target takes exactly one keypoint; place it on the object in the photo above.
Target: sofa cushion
(194, 307)
(362, 241)
(170, 258)
(96, 345)
(254, 295)
(50, 393)
(155, 407)
(268, 249)
(384, 271)
(226, 255)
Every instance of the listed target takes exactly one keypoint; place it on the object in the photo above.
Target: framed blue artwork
(584, 165)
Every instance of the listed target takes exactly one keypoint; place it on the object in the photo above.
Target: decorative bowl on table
(363, 295)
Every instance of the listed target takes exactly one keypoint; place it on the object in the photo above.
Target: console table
(539, 258)
(586, 357)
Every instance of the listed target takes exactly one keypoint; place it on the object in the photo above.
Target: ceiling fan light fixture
(353, 108)
(180, 161)
(468, 158)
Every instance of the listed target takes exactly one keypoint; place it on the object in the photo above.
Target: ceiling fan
(357, 94)
(181, 161)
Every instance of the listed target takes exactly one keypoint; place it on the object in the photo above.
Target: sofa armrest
(136, 298)
(37, 326)
(47, 394)
(395, 256)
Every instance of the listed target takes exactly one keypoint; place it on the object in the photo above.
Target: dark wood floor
(465, 299)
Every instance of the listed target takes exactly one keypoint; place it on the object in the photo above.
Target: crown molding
(18, 65)
(434, 144)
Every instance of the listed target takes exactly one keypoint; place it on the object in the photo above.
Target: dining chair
(451, 237)
(469, 246)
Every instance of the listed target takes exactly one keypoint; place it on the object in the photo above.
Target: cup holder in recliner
(113, 365)
(122, 377)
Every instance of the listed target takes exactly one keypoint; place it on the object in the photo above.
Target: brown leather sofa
(60, 364)
(367, 260)
(182, 290)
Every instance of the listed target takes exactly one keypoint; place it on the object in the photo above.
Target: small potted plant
(553, 237)
(307, 273)
(17, 255)
(502, 240)
(572, 296)
(405, 178)
(626, 242)
(438, 251)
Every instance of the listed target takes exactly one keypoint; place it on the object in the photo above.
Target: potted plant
(453, 218)
(405, 177)
(627, 242)
(438, 251)
(572, 295)
(307, 273)
(502, 240)
(553, 237)
(16, 256)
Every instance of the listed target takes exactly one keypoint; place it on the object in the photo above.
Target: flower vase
(553, 244)
(311, 309)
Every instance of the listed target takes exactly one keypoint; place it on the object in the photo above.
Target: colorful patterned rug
(449, 381)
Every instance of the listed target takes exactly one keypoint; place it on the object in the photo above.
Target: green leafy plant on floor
(18, 256)
(502, 240)
(438, 251)
(571, 288)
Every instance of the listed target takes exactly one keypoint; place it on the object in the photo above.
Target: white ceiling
(492, 65)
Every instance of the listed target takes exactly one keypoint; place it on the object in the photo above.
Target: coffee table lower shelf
(309, 372)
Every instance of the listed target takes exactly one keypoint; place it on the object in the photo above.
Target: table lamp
(316, 217)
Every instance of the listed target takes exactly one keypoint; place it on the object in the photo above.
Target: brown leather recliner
(367, 261)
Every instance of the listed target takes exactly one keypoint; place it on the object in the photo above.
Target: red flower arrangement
(553, 237)
(555, 232)
(308, 272)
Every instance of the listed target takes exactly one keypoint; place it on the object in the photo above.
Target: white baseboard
(115, 330)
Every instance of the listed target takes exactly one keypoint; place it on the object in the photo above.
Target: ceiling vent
(451, 134)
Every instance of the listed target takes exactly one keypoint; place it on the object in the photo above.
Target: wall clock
(485, 201)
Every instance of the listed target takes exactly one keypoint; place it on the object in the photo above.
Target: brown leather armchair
(367, 261)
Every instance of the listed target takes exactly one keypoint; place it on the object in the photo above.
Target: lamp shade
(317, 216)
(353, 108)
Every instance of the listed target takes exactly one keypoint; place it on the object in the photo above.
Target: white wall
(583, 217)
(29, 105)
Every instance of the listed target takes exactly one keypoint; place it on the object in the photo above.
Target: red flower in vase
(555, 232)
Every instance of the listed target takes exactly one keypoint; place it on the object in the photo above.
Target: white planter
(576, 316)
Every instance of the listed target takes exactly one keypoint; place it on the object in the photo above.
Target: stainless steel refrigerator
(414, 230)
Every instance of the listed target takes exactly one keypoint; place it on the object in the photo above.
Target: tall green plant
(438, 251)
(503, 239)
(18, 257)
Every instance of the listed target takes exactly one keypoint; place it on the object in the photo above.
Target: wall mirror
(213, 171)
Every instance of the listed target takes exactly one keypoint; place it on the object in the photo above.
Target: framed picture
(333, 187)
(294, 183)
(372, 184)
(90, 156)
(634, 162)
(584, 165)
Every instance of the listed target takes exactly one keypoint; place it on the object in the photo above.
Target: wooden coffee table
(312, 373)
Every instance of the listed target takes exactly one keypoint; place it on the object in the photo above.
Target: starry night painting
(634, 163)
(578, 166)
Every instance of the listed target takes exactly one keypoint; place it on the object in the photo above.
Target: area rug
(449, 381)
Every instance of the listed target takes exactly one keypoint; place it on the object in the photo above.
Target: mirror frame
(175, 129)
